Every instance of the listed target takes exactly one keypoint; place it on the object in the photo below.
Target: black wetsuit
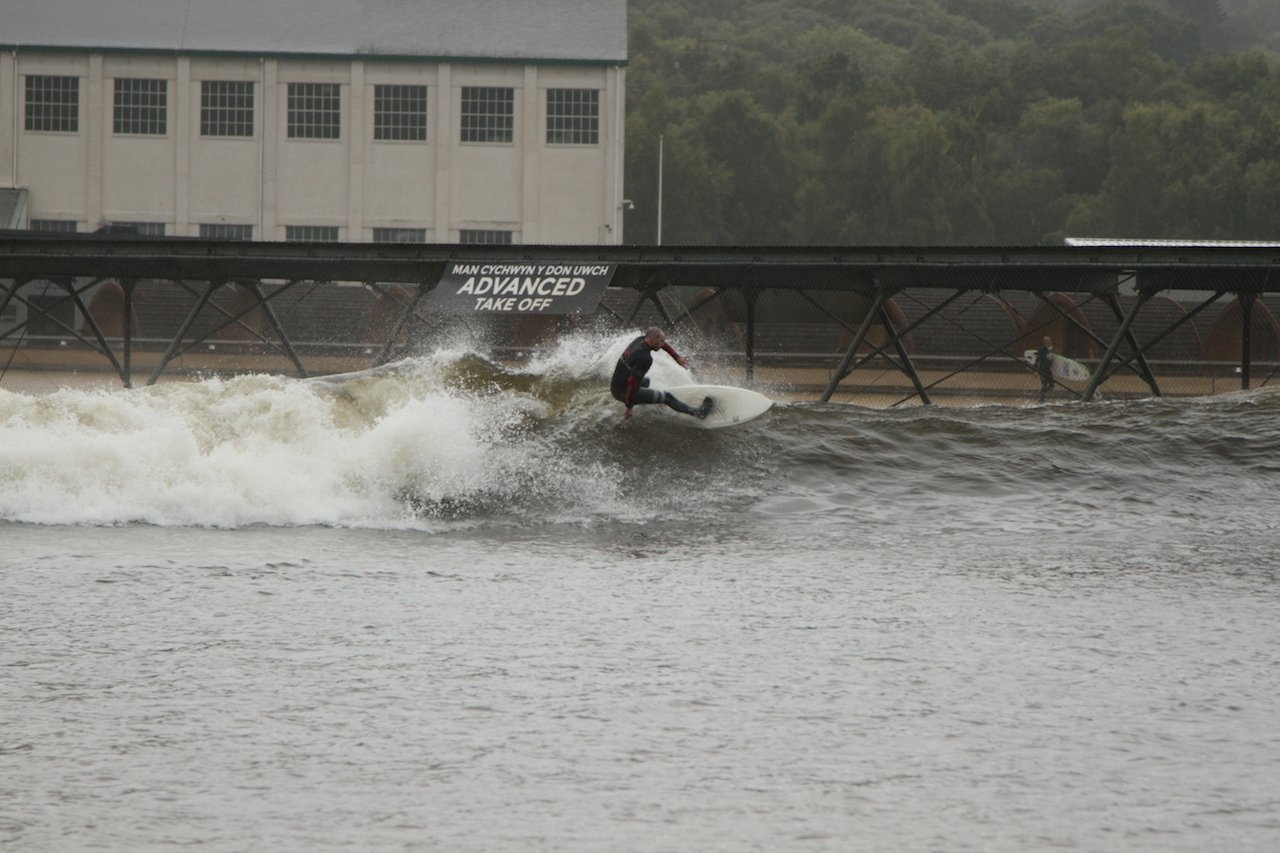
(1044, 366)
(630, 385)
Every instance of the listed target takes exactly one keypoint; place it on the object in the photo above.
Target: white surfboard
(1066, 369)
(730, 406)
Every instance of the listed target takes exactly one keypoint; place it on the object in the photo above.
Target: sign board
(469, 287)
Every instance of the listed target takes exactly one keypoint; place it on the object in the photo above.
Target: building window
(314, 110)
(311, 233)
(573, 116)
(56, 226)
(141, 106)
(223, 231)
(488, 114)
(226, 108)
(141, 229)
(482, 237)
(53, 103)
(399, 235)
(400, 112)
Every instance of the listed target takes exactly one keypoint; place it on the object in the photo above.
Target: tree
(1174, 173)
(1260, 187)
(1027, 205)
(1055, 134)
(747, 146)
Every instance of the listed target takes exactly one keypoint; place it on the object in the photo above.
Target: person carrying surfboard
(1044, 366)
(630, 385)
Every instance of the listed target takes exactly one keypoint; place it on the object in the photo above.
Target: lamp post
(659, 190)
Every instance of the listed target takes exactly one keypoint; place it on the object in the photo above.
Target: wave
(455, 439)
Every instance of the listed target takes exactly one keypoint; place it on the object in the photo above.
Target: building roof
(593, 31)
(1165, 243)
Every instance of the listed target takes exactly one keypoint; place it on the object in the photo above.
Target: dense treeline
(953, 121)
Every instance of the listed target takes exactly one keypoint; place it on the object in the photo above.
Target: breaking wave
(454, 440)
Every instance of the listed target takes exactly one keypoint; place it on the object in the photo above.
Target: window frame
(138, 229)
(53, 226)
(313, 111)
(396, 113)
(488, 115)
(567, 116)
(399, 235)
(225, 231)
(312, 234)
(140, 106)
(223, 113)
(486, 237)
(53, 107)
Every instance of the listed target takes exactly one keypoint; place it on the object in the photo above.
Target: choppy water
(444, 606)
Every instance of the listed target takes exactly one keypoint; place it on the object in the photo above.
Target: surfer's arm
(671, 351)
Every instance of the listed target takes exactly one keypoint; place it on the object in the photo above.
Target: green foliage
(952, 121)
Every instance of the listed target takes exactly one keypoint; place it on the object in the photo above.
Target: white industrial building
(387, 120)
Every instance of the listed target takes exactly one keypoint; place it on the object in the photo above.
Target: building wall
(543, 193)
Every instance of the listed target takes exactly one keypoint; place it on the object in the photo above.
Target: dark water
(445, 606)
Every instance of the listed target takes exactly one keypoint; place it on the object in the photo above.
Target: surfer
(1044, 366)
(630, 385)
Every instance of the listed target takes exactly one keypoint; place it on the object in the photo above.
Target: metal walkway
(850, 287)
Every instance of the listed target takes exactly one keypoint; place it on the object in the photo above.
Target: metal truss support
(128, 285)
(1143, 367)
(12, 292)
(1246, 338)
(751, 295)
(907, 365)
(256, 289)
(403, 320)
(1096, 379)
(650, 294)
(190, 320)
(99, 343)
(688, 313)
(97, 332)
(877, 310)
(844, 368)
(1181, 321)
(47, 312)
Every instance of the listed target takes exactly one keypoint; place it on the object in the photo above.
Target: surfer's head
(655, 337)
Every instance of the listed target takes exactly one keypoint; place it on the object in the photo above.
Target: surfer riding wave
(630, 385)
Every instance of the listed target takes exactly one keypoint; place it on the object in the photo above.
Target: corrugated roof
(551, 30)
(1165, 243)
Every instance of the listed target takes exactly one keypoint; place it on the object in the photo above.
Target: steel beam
(1096, 379)
(190, 320)
(843, 369)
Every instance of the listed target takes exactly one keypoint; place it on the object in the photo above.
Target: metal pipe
(260, 125)
(16, 111)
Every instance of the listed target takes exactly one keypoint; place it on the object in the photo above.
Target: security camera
(627, 204)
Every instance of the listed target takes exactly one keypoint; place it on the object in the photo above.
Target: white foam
(273, 450)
